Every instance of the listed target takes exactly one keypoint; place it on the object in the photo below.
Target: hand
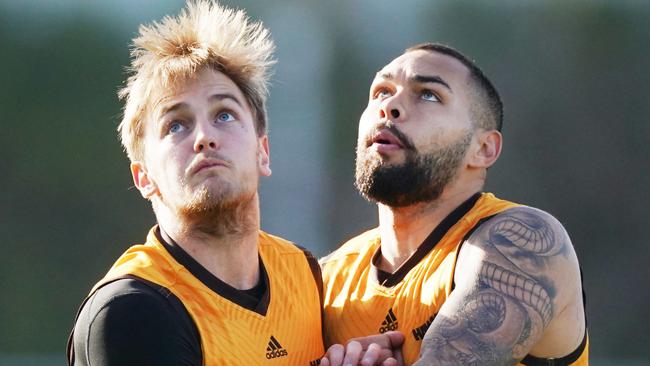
(382, 349)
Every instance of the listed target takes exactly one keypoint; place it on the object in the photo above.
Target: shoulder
(352, 248)
(524, 232)
(120, 298)
(522, 246)
(517, 292)
(131, 315)
(124, 287)
(278, 245)
(283, 248)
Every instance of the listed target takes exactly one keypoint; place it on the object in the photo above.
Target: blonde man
(208, 287)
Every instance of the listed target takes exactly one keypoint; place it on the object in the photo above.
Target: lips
(206, 164)
(384, 139)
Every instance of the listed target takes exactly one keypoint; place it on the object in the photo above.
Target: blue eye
(382, 93)
(176, 127)
(225, 117)
(430, 96)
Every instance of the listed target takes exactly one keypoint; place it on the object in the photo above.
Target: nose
(392, 109)
(205, 139)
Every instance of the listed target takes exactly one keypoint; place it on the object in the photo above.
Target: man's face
(416, 129)
(201, 150)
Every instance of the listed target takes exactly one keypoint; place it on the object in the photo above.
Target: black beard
(421, 178)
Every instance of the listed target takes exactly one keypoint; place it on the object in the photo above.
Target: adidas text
(391, 326)
(276, 353)
(275, 349)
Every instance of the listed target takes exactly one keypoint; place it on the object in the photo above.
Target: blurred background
(573, 75)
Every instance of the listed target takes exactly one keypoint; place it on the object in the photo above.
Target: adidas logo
(314, 362)
(390, 323)
(274, 349)
(419, 332)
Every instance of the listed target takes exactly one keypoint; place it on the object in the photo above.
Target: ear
(488, 149)
(142, 181)
(263, 156)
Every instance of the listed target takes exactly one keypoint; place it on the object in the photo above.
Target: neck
(223, 241)
(403, 229)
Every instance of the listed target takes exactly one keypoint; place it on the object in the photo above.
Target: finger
(371, 357)
(396, 338)
(324, 362)
(380, 339)
(392, 339)
(385, 354)
(335, 355)
(388, 362)
(352, 353)
(397, 354)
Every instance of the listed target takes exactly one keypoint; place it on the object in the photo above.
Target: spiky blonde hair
(204, 34)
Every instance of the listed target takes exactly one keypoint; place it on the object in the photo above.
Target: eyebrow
(219, 97)
(172, 108)
(420, 79)
(216, 97)
(429, 79)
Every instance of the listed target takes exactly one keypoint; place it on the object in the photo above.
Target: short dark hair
(489, 109)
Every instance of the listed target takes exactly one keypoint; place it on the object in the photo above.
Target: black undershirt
(129, 322)
(132, 321)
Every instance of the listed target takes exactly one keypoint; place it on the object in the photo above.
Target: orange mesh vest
(356, 304)
(290, 332)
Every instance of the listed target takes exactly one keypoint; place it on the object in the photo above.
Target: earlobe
(488, 151)
(263, 156)
(142, 181)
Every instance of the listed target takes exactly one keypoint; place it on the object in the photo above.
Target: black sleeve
(132, 322)
(314, 266)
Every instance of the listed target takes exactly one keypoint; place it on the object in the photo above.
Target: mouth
(384, 140)
(206, 164)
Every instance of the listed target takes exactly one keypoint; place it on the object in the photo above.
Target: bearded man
(470, 279)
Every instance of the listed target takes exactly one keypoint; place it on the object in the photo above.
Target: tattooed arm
(517, 292)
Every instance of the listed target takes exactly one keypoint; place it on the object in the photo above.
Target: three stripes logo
(390, 323)
(274, 349)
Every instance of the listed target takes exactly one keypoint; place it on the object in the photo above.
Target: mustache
(406, 142)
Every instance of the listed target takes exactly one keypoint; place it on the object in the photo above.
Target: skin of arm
(517, 288)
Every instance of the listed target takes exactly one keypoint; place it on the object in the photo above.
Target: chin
(220, 198)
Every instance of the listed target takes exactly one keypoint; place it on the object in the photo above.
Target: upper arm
(514, 275)
(134, 328)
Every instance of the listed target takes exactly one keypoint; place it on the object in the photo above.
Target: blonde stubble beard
(224, 212)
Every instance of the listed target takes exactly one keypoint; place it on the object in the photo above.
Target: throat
(401, 238)
(404, 245)
(233, 260)
(389, 258)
